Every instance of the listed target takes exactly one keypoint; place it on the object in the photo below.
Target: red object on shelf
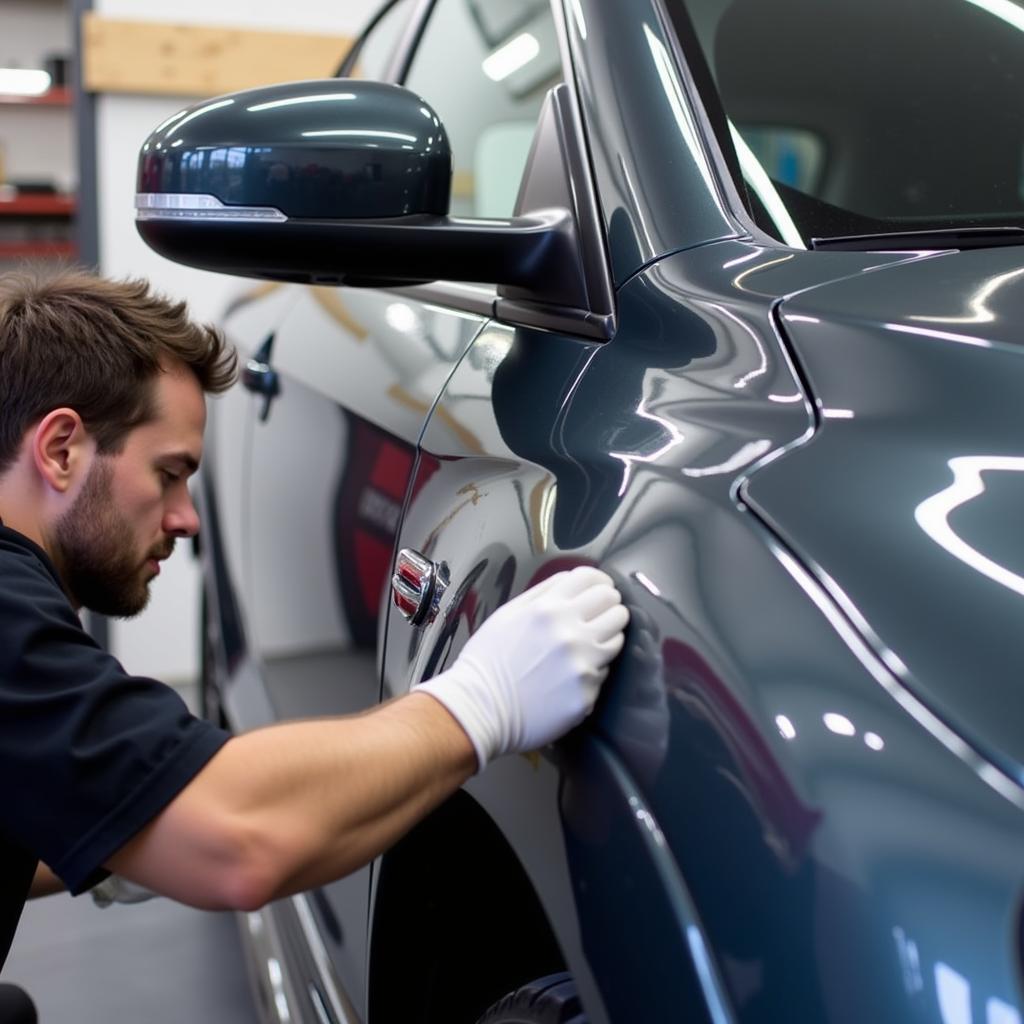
(57, 97)
(33, 250)
(37, 204)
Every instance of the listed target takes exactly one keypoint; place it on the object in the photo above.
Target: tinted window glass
(910, 112)
(485, 67)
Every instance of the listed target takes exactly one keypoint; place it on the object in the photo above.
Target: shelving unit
(59, 97)
(35, 225)
(36, 204)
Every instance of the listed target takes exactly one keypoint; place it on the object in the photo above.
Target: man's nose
(182, 519)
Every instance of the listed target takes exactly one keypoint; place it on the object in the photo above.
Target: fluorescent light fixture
(23, 82)
(515, 54)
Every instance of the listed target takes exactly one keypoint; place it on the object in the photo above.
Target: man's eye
(168, 476)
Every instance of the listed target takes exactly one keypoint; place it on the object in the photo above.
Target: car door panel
(331, 462)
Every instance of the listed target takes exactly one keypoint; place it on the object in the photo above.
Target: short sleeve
(88, 754)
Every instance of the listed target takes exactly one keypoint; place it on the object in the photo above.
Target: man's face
(133, 504)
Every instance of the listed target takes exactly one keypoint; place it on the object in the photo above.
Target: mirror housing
(341, 181)
(307, 150)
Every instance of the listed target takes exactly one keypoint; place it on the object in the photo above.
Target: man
(102, 412)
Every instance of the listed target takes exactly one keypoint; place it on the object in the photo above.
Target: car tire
(550, 1000)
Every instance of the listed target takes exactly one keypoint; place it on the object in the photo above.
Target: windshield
(850, 117)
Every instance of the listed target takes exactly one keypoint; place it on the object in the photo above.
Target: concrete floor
(156, 962)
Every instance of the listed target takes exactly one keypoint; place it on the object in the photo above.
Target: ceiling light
(515, 54)
(23, 82)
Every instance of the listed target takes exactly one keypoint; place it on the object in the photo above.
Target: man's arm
(44, 883)
(296, 805)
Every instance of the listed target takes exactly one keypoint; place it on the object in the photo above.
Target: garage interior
(68, 152)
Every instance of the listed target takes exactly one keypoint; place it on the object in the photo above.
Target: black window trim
(701, 94)
(408, 40)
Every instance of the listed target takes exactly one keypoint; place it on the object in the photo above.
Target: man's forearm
(296, 805)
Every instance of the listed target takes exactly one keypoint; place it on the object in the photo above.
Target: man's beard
(93, 541)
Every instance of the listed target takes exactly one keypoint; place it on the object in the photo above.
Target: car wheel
(550, 1000)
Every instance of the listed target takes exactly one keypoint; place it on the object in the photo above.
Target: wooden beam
(120, 55)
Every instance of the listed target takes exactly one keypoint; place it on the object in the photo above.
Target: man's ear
(62, 448)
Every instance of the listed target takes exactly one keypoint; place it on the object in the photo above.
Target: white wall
(163, 641)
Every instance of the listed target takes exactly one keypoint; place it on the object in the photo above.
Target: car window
(868, 116)
(379, 45)
(485, 67)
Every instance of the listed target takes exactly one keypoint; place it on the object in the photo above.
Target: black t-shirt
(88, 753)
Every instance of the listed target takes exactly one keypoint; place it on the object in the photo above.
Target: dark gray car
(725, 296)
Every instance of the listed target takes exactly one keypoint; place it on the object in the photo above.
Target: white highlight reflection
(577, 14)
(839, 724)
(933, 514)
(645, 581)
(980, 313)
(1005, 10)
(785, 727)
(928, 332)
(199, 112)
(998, 1012)
(874, 741)
(759, 181)
(402, 317)
(674, 94)
(954, 992)
(747, 454)
(369, 133)
(323, 97)
(629, 459)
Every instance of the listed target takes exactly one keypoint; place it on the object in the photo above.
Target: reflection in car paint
(927, 332)
(980, 313)
(921, 713)
(688, 130)
(933, 514)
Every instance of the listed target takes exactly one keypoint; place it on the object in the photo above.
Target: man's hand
(534, 669)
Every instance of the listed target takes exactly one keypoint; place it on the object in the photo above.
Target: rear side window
(485, 67)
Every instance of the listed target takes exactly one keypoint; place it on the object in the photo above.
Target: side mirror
(345, 181)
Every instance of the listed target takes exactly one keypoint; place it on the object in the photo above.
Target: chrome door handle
(261, 378)
(418, 585)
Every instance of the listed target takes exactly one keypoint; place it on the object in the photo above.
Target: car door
(350, 376)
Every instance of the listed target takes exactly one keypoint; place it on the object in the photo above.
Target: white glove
(534, 668)
(115, 889)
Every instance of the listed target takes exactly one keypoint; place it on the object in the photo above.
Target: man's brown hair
(71, 338)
